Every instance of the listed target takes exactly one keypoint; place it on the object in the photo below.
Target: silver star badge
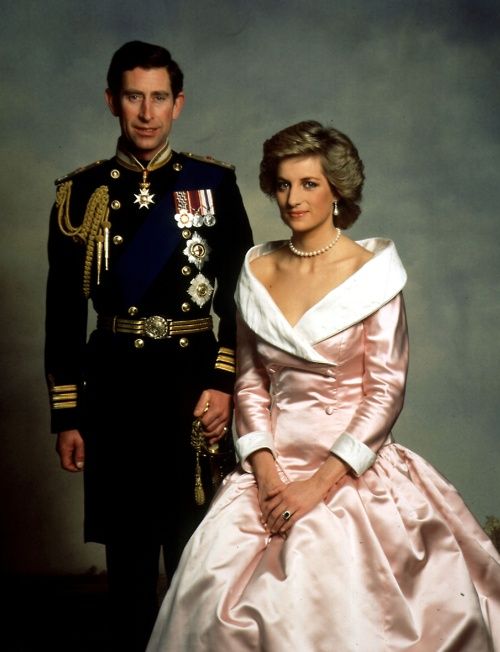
(144, 198)
(200, 290)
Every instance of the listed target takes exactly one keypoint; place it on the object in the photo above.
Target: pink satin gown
(392, 560)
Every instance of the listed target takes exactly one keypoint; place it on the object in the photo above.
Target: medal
(144, 198)
(197, 250)
(200, 290)
(194, 208)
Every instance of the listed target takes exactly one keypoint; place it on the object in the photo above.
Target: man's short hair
(137, 54)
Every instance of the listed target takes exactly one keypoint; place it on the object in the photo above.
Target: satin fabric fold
(391, 561)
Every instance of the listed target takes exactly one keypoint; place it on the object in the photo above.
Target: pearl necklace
(316, 252)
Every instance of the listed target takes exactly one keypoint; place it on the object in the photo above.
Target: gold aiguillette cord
(198, 443)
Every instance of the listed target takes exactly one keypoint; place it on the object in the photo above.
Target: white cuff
(251, 442)
(354, 452)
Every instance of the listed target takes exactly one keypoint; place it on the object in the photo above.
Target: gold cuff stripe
(226, 351)
(63, 397)
(57, 389)
(225, 358)
(68, 396)
(225, 367)
(64, 406)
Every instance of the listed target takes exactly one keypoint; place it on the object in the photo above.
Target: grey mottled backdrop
(414, 83)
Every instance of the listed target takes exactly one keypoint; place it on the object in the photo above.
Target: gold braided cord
(87, 232)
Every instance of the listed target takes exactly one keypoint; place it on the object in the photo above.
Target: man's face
(146, 109)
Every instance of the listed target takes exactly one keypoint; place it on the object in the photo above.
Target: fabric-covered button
(329, 409)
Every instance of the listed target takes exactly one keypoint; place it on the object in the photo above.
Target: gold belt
(156, 326)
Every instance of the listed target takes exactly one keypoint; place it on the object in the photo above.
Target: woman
(329, 536)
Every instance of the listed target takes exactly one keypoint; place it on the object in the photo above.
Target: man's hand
(71, 450)
(214, 411)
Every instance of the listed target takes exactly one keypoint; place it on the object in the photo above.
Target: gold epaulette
(77, 171)
(209, 159)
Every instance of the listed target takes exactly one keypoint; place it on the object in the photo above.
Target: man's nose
(145, 113)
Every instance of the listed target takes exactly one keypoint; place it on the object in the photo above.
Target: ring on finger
(287, 514)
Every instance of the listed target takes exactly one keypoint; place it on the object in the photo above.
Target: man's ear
(178, 104)
(112, 102)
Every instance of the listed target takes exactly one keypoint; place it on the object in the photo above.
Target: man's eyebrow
(133, 91)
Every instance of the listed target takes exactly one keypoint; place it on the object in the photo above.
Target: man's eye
(160, 98)
(133, 97)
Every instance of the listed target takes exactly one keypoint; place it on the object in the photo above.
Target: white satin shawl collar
(373, 285)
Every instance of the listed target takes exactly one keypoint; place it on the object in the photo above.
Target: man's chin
(144, 148)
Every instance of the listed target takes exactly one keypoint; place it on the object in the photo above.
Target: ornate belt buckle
(157, 327)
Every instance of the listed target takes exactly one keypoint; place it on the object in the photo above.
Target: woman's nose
(293, 198)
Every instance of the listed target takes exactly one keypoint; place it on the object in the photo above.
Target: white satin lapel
(367, 290)
(372, 286)
(263, 316)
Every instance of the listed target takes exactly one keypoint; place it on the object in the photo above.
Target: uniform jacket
(173, 249)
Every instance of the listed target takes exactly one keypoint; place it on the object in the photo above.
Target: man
(155, 239)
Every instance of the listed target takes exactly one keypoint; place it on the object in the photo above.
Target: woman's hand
(290, 502)
(268, 490)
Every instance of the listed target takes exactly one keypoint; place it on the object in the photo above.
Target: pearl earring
(336, 211)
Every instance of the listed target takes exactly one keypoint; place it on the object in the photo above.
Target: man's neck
(140, 160)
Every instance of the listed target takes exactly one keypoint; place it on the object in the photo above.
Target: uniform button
(186, 270)
(186, 307)
(139, 343)
(115, 174)
(115, 204)
(133, 311)
(186, 233)
(183, 342)
(330, 409)
(117, 240)
(177, 167)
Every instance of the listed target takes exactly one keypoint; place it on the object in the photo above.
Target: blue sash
(149, 251)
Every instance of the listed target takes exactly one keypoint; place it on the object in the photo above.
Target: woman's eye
(282, 185)
(310, 184)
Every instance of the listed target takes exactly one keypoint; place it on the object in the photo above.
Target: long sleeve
(234, 238)
(252, 398)
(65, 328)
(384, 379)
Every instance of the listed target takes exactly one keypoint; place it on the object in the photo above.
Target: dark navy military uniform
(155, 273)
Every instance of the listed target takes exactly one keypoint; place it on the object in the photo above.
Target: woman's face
(303, 193)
